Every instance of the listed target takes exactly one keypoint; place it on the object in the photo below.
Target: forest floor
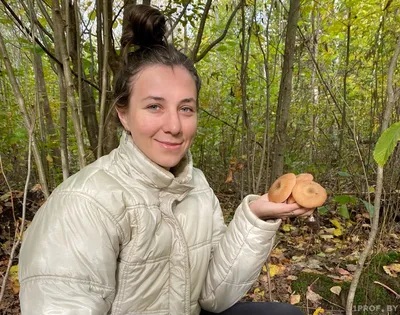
(310, 266)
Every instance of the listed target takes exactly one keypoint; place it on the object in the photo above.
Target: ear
(122, 115)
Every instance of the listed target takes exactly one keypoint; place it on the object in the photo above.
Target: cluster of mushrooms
(300, 189)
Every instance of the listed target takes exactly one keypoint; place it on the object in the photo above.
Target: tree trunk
(344, 108)
(264, 166)
(285, 92)
(63, 118)
(315, 17)
(87, 103)
(59, 40)
(104, 79)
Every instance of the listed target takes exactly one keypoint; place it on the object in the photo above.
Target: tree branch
(49, 53)
(169, 32)
(201, 30)
(215, 42)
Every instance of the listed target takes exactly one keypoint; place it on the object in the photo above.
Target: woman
(140, 231)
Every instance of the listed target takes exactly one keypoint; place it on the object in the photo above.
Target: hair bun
(145, 28)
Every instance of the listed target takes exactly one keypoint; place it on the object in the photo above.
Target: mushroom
(304, 176)
(282, 187)
(309, 194)
(300, 177)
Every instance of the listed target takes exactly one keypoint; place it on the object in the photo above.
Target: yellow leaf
(336, 223)
(14, 273)
(336, 290)
(318, 311)
(338, 232)
(392, 269)
(264, 268)
(287, 227)
(276, 269)
(294, 299)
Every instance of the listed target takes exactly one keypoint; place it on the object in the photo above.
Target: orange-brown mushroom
(304, 176)
(291, 199)
(309, 194)
(300, 177)
(281, 189)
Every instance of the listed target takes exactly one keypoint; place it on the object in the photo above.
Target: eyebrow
(158, 98)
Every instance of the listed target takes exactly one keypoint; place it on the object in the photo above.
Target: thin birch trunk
(104, 80)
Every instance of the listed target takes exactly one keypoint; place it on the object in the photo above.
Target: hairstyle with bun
(143, 43)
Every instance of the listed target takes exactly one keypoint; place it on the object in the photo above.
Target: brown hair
(143, 43)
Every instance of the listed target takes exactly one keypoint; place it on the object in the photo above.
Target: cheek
(145, 126)
(191, 128)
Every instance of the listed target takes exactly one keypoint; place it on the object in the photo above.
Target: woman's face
(162, 113)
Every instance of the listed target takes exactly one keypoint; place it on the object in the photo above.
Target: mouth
(170, 145)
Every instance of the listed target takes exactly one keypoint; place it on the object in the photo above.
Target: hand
(265, 209)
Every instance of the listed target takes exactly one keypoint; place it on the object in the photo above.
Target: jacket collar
(150, 174)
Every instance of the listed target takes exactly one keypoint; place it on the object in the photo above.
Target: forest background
(288, 86)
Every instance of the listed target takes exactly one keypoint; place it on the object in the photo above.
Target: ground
(311, 265)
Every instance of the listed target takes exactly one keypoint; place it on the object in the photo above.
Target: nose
(172, 123)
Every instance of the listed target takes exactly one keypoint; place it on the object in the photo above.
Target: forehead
(170, 81)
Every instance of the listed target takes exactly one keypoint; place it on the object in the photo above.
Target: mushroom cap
(305, 176)
(281, 189)
(290, 199)
(309, 194)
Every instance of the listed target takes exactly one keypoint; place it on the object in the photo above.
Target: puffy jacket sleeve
(68, 258)
(238, 256)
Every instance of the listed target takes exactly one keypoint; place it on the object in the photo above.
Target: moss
(368, 294)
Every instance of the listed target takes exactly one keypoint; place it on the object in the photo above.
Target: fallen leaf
(336, 290)
(329, 249)
(312, 296)
(392, 269)
(278, 253)
(258, 291)
(276, 269)
(294, 299)
(287, 227)
(336, 223)
(298, 258)
(318, 311)
(291, 277)
(338, 232)
(326, 236)
(342, 271)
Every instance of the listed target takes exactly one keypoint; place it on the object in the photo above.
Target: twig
(391, 290)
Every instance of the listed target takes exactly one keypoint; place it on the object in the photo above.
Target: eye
(187, 109)
(153, 107)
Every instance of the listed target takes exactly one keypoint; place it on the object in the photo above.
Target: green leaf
(323, 210)
(369, 207)
(343, 174)
(92, 15)
(386, 144)
(344, 212)
(344, 199)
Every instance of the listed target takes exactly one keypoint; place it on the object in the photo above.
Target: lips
(169, 145)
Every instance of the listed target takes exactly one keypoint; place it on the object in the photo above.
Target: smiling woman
(140, 231)
(162, 114)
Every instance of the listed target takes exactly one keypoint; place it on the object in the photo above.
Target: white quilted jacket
(124, 236)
